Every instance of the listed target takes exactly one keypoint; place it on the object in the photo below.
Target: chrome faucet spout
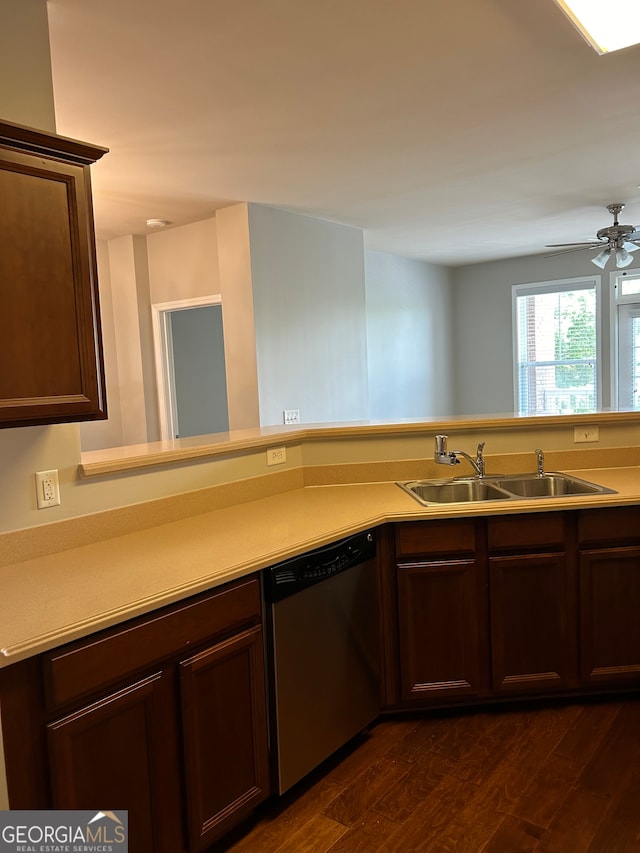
(540, 460)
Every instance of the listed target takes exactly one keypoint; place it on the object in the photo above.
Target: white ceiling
(453, 132)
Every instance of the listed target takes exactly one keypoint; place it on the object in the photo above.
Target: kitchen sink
(454, 491)
(508, 487)
(548, 486)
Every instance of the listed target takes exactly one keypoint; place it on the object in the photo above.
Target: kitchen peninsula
(141, 568)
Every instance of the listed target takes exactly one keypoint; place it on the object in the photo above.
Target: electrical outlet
(584, 434)
(276, 455)
(47, 488)
(291, 416)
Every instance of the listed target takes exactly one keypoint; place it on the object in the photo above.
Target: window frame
(616, 300)
(590, 282)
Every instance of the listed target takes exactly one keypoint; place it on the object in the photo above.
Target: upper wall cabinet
(51, 367)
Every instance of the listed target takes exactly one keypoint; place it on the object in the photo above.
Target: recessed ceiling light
(606, 26)
(158, 223)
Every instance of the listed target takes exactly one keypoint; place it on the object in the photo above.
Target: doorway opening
(190, 366)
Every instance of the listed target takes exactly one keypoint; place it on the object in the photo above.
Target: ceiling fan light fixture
(623, 258)
(605, 26)
(601, 259)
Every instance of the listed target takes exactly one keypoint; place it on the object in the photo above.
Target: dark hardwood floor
(563, 778)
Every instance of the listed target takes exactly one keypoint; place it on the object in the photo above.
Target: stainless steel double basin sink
(500, 488)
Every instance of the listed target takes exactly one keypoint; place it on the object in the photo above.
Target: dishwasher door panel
(326, 668)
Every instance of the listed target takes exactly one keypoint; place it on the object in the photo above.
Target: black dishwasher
(324, 638)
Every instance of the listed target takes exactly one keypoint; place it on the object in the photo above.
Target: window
(626, 316)
(556, 344)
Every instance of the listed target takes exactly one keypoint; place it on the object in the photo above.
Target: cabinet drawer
(545, 531)
(77, 670)
(433, 538)
(618, 525)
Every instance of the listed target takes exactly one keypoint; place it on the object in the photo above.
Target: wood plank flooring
(554, 779)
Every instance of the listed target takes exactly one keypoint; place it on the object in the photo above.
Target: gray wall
(483, 365)
(309, 312)
(409, 337)
(198, 366)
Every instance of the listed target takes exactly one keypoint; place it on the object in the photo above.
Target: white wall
(135, 272)
(309, 309)
(183, 262)
(132, 359)
(108, 433)
(236, 288)
(483, 370)
(409, 337)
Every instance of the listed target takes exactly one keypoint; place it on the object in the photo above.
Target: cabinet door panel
(610, 609)
(442, 624)
(225, 735)
(49, 323)
(532, 623)
(118, 753)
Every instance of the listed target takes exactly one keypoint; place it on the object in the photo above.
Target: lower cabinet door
(610, 616)
(225, 735)
(119, 753)
(533, 623)
(442, 608)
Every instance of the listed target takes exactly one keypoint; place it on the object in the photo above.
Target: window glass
(556, 346)
(629, 285)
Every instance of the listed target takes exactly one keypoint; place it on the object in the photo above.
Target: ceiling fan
(618, 240)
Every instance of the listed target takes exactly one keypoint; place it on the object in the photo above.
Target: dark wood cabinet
(486, 608)
(121, 750)
(532, 646)
(610, 596)
(51, 366)
(224, 724)
(442, 612)
(165, 717)
(442, 609)
(532, 603)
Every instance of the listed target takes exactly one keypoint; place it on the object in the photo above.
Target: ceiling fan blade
(591, 245)
(572, 248)
(635, 235)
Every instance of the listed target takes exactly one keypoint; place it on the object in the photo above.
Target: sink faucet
(450, 457)
(540, 458)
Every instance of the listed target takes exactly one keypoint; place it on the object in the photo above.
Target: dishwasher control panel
(300, 572)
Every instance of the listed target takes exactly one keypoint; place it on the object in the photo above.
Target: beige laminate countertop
(53, 599)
